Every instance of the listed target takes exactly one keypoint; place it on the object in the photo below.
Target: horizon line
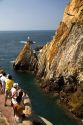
(31, 30)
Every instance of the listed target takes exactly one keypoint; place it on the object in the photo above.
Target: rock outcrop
(26, 59)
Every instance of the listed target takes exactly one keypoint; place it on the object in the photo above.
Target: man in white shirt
(14, 93)
(3, 78)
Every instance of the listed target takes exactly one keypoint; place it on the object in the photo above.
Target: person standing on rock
(8, 85)
(29, 40)
(14, 93)
(18, 110)
(3, 78)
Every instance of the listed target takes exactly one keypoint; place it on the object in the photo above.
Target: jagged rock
(79, 111)
(53, 85)
(38, 48)
(26, 59)
(64, 54)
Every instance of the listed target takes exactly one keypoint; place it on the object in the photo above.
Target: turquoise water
(42, 104)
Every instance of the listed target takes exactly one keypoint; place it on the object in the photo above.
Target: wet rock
(79, 111)
(53, 85)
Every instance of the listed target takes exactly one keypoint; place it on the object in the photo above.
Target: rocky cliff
(26, 59)
(65, 52)
(63, 55)
(59, 63)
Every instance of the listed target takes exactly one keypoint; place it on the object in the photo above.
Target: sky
(31, 14)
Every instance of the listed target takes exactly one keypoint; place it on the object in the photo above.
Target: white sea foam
(23, 42)
(34, 42)
(12, 61)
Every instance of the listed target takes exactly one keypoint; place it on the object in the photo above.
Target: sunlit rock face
(26, 59)
(59, 63)
(64, 54)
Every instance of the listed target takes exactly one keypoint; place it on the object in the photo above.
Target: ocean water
(11, 42)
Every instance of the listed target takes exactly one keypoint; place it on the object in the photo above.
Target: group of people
(12, 91)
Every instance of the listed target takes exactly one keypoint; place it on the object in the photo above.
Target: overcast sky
(31, 14)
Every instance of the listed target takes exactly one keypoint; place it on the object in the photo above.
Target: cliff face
(64, 54)
(59, 63)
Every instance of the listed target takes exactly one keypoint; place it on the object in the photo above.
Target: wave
(12, 61)
(23, 42)
(34, 42)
